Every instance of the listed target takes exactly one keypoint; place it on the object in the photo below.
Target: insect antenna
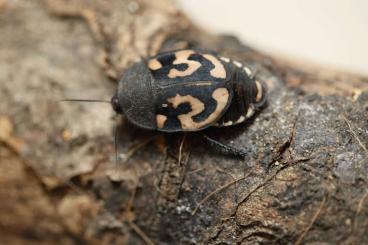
(83, 100)
(116, 144)
(115, 126)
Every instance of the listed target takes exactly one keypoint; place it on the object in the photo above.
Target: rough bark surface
(304, 180)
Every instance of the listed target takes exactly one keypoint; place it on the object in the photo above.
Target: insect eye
(115, 104)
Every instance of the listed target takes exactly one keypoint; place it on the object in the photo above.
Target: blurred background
(332, 33)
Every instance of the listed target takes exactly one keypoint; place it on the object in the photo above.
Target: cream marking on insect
(229, 123)
(247, 70)
(199, 83)
(154, 64)
(250, 112)
(220, 95)
(182, 58)
(219, 70)
(196, 105)
(160, 120)
(237, 63)
(259, 91)
(240, 120)
(227, 60)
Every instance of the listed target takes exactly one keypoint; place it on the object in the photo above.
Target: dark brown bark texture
(303, 181)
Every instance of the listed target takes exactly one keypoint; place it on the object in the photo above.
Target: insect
(189, 90)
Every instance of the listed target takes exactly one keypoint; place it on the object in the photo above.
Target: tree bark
(303, 181)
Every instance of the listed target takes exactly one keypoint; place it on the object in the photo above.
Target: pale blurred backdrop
(333, 33)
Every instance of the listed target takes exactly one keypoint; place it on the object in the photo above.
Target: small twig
(355, 134)
(131, 199)
(196, 170)
(233, 178)
(185, 165)
(359, 209)
(137, 147)
(286, 146)
(360, 205)
(228, 218)
(116, 144)
(130, 219)
(158, 189)
(140, 233)
(286, 180)
(76, 188)
(257, 187)
(224, 172)
(181, 147)
(217, 191)
(314, 218)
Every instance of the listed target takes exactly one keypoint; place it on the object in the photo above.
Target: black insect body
(188, 90)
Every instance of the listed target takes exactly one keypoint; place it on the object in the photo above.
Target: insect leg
(226, 148)
(116, 143)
